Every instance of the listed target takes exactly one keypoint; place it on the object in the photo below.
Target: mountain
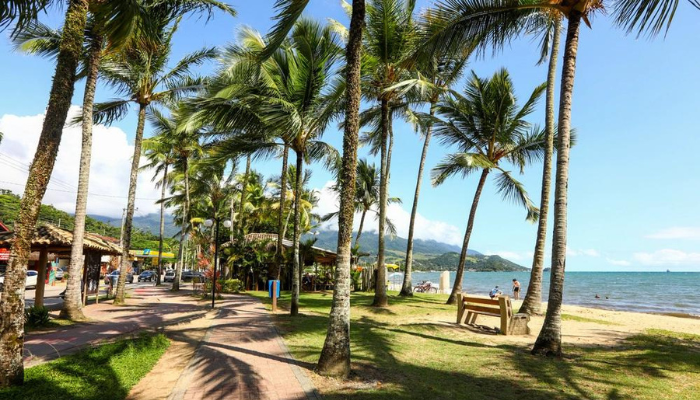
(148, 223)
(369, 240)
(480, 263)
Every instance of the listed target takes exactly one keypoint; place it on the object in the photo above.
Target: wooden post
(41, 278)
(274, 296)
(460, 308)
(503, 303)
(84, 292)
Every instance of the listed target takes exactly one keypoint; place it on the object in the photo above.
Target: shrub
(231, 286)
(36, 316)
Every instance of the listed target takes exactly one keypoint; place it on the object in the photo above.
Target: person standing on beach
(516, 289)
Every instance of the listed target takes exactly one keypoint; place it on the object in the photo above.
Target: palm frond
(288, 12)
(512, 190)
(459, 164)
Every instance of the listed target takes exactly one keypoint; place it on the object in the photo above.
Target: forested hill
(9, 210)
(369, 240)
(480, 263)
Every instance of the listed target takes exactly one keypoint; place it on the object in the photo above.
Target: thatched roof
(61, 240)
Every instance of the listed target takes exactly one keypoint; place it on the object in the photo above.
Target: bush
(231, 286)
(36, 316)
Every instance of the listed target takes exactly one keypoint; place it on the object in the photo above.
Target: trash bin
(269, 288)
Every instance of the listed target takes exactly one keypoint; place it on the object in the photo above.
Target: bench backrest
(500, 307)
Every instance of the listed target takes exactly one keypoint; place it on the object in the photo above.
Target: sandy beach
(584, 326)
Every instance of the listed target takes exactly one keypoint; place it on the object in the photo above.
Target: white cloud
(666, 257)
(677, 232)
(620, 263)
(109, 172)
(424, 228)
(581, 252)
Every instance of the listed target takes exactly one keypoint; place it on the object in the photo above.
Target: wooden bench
(501, 307)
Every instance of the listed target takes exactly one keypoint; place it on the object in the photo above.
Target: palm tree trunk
(532, 304)
(359, 230)
(162, 223)
(244, 189)
(549, 340)
(130, 205)
(185, 224)
(279, 255)
(72, 305)
(12, 301)
(457, 286)
(380, 298)
(407, 287)
(296, 268)
(335, 356)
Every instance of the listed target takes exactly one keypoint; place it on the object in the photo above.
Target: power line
(91, 194)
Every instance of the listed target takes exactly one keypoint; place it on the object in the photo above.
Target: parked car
(114, 276)
(59, 273)
(30, 280)
(147, 276)
(169, 276)
(187, 276)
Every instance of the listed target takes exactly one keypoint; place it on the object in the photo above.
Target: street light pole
(216, 261)
(208, 223)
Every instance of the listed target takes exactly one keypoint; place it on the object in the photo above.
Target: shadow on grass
(431, 361)
(105, 372)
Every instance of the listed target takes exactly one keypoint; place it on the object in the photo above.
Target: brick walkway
(147, 308)
(243, 357)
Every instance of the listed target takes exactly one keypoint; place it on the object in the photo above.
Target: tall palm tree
(488, 127)
(103, 34)
(142, 76)
(437, 74)
(159, 151)
(12, 301)
(391, 36)
(492, 24)
(335, 355)
(532, 304)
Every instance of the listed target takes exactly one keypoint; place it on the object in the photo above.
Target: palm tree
(159, 151)
(488, 127)
(532, 304)
(492, 24)
(22, 13)
(437, 75)
(390, 39)
(335, 356)
(12, 301)
(142, 76)
(103, 34)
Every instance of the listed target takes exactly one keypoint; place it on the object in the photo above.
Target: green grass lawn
(399, 352)
(106, 372)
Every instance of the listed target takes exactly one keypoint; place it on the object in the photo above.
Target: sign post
(273, 287)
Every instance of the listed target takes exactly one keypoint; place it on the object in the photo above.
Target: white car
(30, 281)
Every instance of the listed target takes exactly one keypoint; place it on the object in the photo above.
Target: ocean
(651, 292)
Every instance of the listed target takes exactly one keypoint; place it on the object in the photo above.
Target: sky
(634, 174)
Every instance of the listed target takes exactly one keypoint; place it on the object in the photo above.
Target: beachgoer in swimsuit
(516, 289)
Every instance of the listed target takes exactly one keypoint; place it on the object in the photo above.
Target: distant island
(475, 263)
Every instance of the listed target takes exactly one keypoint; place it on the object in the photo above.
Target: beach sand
(583, 326)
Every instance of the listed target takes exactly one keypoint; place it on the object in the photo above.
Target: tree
(488, 127)
(436, 75)
(159, 151)
(532, 304)
(12, 301)
(335, 356)
(142, 76)
(389, 41)
(492, 24)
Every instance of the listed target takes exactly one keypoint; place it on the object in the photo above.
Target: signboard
(4, 254)
(146, 252)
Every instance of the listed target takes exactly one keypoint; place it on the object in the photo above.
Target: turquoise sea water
(654, 292)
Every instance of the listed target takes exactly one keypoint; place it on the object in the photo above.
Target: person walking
(516, 289)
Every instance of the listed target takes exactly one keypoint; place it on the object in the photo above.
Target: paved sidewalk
(243, 357)
(147, 308)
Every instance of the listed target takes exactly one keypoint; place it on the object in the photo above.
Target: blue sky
(634, 175)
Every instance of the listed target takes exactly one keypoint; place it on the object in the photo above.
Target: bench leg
(472, 320)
